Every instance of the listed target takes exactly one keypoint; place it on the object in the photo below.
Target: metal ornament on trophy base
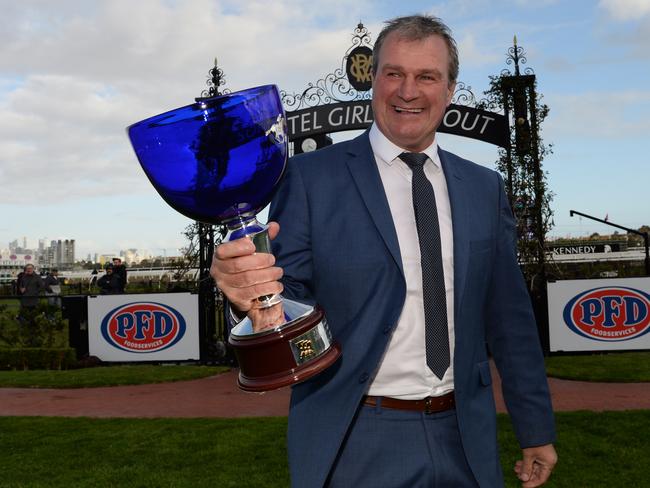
(219, 161)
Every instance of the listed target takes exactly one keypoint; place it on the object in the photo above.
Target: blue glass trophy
(219, 161)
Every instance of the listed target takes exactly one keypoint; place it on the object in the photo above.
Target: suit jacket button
(363, 378)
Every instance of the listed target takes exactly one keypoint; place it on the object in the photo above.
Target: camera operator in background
(110, 283)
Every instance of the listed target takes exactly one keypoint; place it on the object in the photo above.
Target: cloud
(75, 74)
(633, 33)
(474, 54)
(624, 10)
(66, 136)
(612, 116)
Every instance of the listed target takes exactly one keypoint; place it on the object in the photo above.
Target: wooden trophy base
(284, 355)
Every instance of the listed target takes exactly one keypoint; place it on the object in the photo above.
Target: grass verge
(595, 449)
(628, 367)
(106, 376)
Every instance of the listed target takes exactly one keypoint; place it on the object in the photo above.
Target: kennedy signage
(585, 249)
(458, 120)
(599, 315)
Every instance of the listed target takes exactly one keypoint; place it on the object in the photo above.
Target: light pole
(645, 235)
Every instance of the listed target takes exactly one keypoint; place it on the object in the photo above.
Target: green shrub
(37, 358)
(40, 326)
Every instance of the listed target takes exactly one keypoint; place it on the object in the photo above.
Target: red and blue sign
(143, 327)
(610, 313)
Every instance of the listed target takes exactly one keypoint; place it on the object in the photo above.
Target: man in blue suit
(356, 237)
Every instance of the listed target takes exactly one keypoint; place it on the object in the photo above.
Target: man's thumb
(526, 468)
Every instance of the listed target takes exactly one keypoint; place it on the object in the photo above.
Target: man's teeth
(409, 110)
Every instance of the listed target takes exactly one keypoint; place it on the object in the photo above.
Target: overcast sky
(75, 73)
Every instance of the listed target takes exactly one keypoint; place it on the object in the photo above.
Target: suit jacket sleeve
(293, 245)
(514, 342)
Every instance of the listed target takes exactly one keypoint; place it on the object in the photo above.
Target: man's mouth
(407, 110)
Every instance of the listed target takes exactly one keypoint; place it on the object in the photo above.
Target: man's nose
(408, 89)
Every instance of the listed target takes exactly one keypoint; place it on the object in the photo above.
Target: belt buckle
(427, 406)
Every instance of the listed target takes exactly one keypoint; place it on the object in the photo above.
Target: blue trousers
(402, 449)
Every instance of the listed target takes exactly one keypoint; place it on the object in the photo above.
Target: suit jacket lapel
(458, 200)
(363, 168)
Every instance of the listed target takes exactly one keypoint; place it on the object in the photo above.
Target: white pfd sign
(589, 315)
(149, 327)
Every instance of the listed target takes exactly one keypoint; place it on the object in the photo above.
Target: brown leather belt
(427, 405)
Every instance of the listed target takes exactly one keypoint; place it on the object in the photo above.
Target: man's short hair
(418, 28)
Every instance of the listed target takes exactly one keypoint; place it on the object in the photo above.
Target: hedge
(37, 358)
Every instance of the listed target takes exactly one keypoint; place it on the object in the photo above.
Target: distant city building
(59, 253)
(16, 247)
(131, 256)
(106, 258)
(66, 252)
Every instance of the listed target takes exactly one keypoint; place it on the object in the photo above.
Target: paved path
(218, 396)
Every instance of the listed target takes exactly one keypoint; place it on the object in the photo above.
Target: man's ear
(450, 92)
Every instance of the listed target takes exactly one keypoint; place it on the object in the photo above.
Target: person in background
(30, 286)
(110, 283)
(53, 287)
(119, 270)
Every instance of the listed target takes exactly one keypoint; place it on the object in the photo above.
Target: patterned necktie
(433, 279)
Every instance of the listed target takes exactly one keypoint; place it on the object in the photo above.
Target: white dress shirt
(403, 372)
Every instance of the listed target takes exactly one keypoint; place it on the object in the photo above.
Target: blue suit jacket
(338, 247)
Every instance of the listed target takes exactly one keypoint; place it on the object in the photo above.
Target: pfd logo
(143, 327)
(609, 314)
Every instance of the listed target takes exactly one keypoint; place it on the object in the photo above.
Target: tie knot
(414, 160)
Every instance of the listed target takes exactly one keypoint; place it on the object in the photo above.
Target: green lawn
(106, 376)
(66, 453)
(595, 449)
(626, 367)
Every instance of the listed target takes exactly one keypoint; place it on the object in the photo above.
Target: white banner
(148, 327)
(599, 315)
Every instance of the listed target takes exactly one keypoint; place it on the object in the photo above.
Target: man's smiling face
(411, 90)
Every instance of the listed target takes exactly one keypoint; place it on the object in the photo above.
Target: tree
(191, 252)
(520, 164)
(636, 239)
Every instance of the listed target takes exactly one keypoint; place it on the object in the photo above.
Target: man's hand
(243, 275)
(536, 466)
(267, 318)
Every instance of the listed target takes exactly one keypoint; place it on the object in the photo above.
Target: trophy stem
(248, 225)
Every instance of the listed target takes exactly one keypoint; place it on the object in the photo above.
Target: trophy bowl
(220, 161)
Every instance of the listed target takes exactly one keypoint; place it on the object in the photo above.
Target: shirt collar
(389, 152)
